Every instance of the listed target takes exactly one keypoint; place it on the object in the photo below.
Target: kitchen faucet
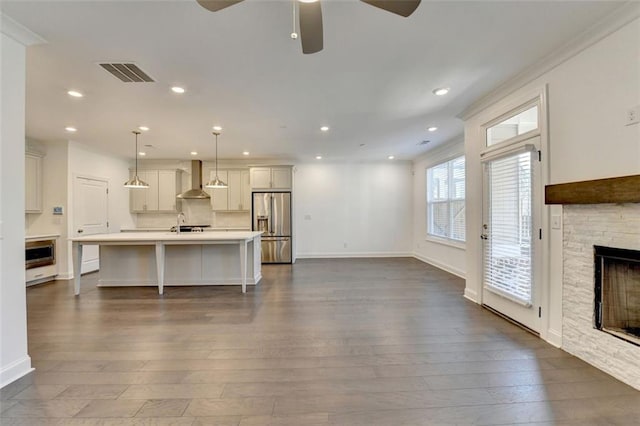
(182, 217)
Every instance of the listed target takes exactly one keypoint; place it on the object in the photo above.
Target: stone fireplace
(617, 227)
(617, 292)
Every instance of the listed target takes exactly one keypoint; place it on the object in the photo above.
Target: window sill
(446, 242)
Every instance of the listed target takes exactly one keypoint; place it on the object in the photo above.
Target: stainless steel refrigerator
(272, 215)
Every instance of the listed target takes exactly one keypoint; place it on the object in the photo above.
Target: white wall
(90, 162)
(588, 96)
(444, 255)
(54, 193)
(14, 359)
(366, 207)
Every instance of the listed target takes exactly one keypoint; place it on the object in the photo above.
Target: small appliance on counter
(272, 215)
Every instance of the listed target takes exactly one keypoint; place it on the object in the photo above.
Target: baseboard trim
(12, 372)
(65, 276)
(471, 295)
(554, 337)
(351, 255)
(440, 265)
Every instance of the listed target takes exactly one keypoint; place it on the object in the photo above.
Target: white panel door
(511, 235)
(90, 216)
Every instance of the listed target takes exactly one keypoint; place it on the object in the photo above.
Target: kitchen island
(174, 259)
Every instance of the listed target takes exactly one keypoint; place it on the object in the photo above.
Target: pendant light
(136, 182)
(216, 183)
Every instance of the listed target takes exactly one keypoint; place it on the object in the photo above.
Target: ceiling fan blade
(216, 5)
(399, 7)
(310, 26)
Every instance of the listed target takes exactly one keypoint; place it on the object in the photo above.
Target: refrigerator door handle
(272, 213)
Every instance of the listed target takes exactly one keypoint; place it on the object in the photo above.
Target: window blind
(508, 249)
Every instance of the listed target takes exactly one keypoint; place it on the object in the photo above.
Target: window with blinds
(508, 248)
(446, 200)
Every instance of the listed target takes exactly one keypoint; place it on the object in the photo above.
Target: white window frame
(439, 238)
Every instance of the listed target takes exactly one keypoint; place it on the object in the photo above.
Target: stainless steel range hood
(196, 191)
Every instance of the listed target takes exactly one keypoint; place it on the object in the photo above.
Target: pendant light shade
(136, 182)
(216, 182)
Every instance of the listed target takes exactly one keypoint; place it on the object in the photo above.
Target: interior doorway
(90, 216)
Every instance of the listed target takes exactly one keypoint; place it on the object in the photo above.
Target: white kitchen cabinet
(270, 178)
(33, 183)
(219, 196)
(237, 195)
(160, 196)
(245, 190)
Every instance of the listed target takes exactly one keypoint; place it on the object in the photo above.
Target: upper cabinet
(160, 196)
(237, 195)
(270, 178)
(33, 183)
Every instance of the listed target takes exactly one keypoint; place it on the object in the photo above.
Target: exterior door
(511, 233)
(90, 216)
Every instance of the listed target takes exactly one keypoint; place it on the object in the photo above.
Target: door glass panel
(508, 247)
(513, 126)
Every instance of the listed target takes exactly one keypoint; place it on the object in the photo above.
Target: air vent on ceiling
(127, 72)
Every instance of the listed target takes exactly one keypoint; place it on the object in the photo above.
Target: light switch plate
(556, 222)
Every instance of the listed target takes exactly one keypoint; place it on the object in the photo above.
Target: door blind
(508, 247)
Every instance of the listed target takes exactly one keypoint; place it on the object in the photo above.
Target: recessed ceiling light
(217, 128)
(144, 128)
(71, 129)
(245, 152)
(324, 128)
(142, 153)
(432, 129)
(318, 157)
(75, 93)
(177, 89)
(391, 157)
(194, 153)
(441, 91)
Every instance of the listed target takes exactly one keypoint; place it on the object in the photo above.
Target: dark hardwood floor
(347, 342)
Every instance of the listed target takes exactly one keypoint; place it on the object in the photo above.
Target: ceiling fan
(310, 15)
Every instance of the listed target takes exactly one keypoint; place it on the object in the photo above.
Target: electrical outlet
(633, 115)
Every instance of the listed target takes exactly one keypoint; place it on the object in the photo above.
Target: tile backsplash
(197, 212)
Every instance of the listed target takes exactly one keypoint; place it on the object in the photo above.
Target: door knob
(80, 231)
(484, 237)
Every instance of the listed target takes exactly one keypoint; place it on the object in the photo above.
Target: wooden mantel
(625, 189)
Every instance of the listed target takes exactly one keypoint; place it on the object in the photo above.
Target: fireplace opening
(617, 292)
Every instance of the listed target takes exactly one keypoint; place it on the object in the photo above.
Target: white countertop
(168, 237)
(165, 229)
(41, 237)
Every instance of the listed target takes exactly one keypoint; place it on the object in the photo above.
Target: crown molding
(621, 16)
(19, 32)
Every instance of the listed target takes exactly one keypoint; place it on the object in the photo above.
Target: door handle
(80, 231)
(484, 237)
